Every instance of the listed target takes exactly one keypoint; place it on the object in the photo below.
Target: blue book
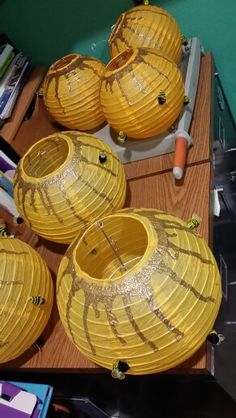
(6, 183)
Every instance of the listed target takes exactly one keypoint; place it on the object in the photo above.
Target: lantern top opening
(112, 247)
(121, 60)
(45, 157)
(63, 62)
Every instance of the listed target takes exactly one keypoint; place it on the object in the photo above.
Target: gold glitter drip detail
(3, 343)
(80, 62)
(159, 314)
(15, 253)
(12, 252)
(10, 282)
(126, 19)
(135, 325)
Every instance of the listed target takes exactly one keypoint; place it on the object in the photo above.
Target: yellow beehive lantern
(142, 93)
(147, 26)
(71, 92)
(138, 287)
(65, 181)
(26, 297)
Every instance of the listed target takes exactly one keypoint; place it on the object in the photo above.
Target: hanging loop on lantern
(113, 245)
(119, 369)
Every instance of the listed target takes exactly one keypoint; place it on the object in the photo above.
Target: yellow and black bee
(119, 369)
(122, 137)
(102, 157)
(40, 93)
(37, 300)
(161, 97)
(3, 230)
(187, 100)
(184, 40)
(215, 338)
(194, 222)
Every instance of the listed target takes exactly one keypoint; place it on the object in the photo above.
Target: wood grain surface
(12, 125)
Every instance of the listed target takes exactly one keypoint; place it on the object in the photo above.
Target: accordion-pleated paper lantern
(26, 297)
(65, 181)
(142, 93)
(139, 287)
(147, 26)
(71, 92)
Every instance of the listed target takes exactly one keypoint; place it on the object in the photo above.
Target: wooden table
(150, 184)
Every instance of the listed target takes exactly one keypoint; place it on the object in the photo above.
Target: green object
(6, 64)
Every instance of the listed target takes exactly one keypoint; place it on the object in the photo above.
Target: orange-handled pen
(182, 142)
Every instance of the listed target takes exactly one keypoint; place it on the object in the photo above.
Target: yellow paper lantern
(147, 26)
(140, 287)
(71, 92)
(65, 181)
(142, 93)
(26, 297)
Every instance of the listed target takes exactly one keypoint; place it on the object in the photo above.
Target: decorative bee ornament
(22, 273)
(144, 282)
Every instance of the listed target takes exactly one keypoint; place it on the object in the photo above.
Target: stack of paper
(14, 70)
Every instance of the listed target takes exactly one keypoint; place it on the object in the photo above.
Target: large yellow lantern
(147, 26)
(138, 287)
(142, 93)
(26, 297)
(71, 92)
(65, 181)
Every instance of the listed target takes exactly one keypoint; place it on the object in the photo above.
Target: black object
(213, 338)
(122, 366)
(161, 100)
(102, 157)
(19, 220)
(9, 151)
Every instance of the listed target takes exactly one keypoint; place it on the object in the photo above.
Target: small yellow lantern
(26, 297)
(65, 181)
(71, 92)
(138, 287)
(147, 26)
(142, 93)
